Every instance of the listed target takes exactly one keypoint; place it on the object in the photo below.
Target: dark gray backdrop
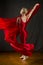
(10, 9)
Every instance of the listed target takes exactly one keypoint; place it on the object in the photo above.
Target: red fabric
(12, 29)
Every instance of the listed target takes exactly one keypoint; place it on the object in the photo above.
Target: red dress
(25, 48)
(12, 29)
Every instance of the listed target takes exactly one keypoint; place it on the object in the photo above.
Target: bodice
(22, 24)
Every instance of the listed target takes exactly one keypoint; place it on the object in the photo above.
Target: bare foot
(23, 57)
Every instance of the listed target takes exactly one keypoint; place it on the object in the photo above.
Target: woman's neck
(23, 18)
(23, 15)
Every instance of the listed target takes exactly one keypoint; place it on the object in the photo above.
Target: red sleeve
(34, 12)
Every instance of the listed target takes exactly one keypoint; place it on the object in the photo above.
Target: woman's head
(23, 11)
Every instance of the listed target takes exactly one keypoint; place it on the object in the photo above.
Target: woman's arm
(18, 20)
(34, 10)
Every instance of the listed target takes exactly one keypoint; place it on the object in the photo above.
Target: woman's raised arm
(33, 11)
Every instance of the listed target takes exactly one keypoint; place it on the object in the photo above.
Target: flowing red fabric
(12, 29)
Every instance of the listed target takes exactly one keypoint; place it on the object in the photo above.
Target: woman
(27, 48)
(13, 27)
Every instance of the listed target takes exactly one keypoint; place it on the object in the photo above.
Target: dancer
(25, 48)
(23, 20)
(13, 27)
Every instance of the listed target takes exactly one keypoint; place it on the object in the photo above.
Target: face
(23, 11)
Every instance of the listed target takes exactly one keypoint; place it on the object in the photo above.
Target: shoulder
(19, 18)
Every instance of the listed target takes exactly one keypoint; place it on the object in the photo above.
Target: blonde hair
(23, 11)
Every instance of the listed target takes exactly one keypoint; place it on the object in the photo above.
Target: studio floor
(13, 59)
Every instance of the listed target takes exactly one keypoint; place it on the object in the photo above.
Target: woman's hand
(37, 4)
